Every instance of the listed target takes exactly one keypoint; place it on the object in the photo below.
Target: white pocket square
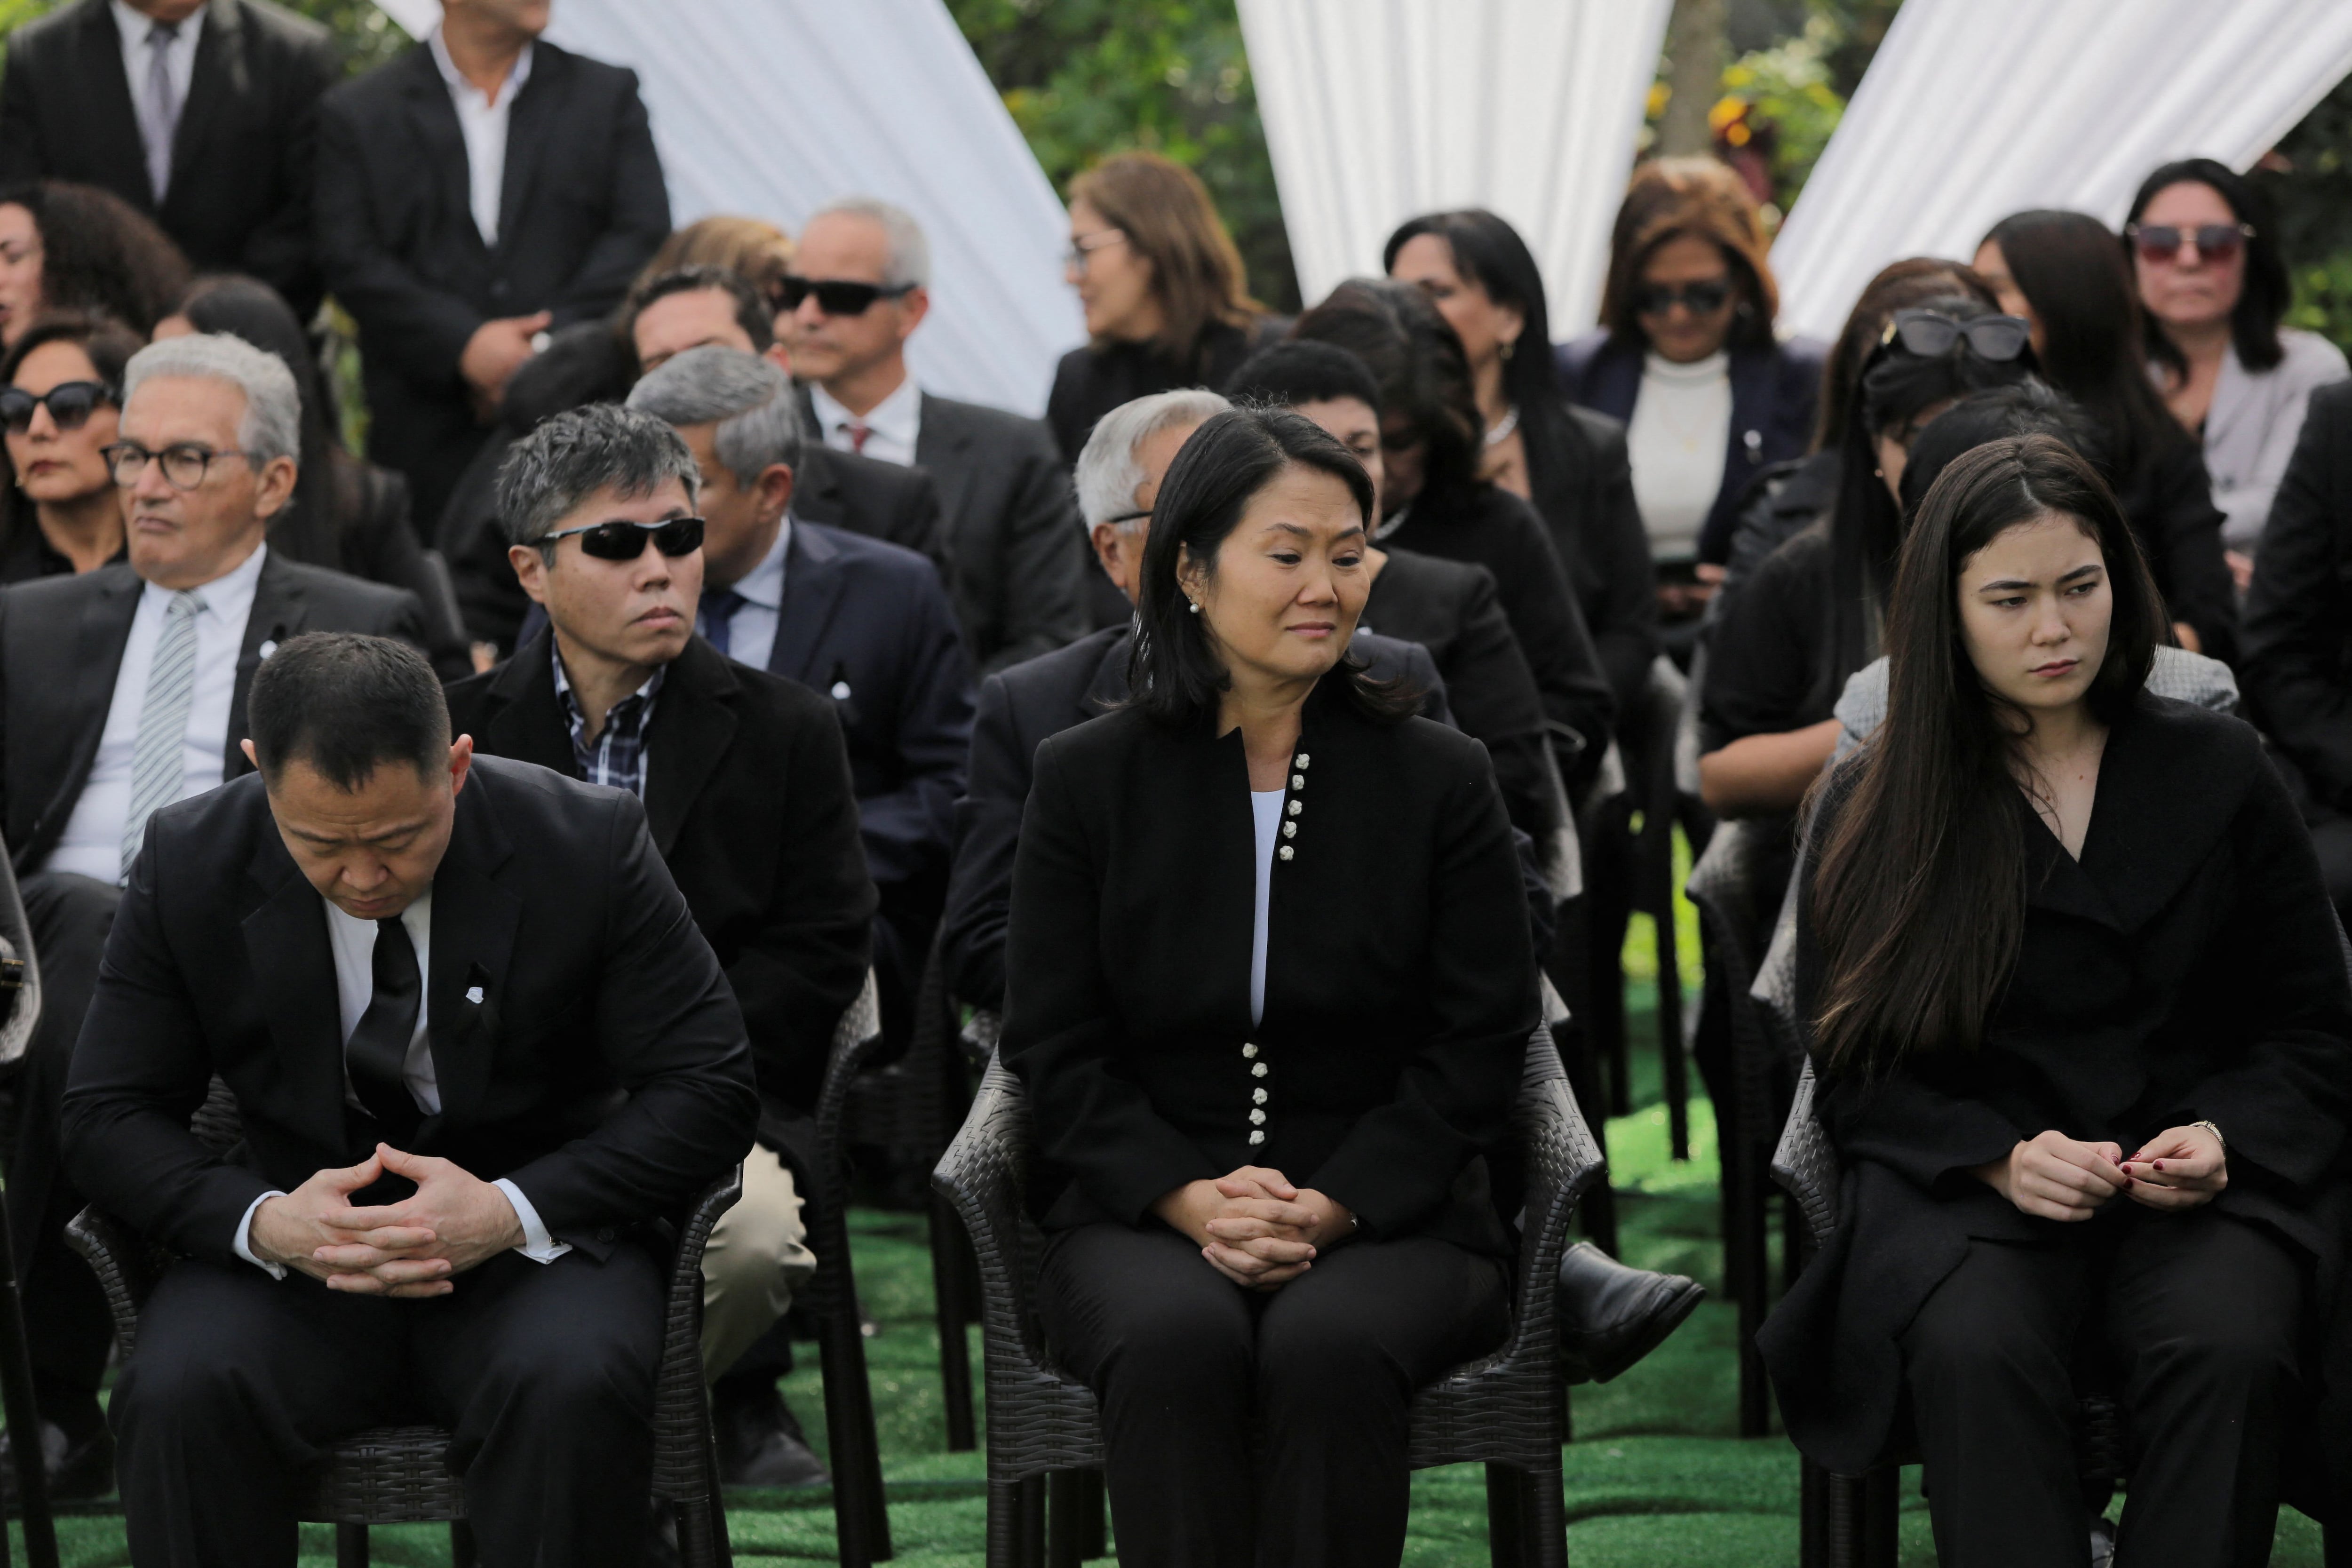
(474, 995)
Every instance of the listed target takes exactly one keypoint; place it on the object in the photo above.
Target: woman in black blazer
(2085, 1037)
(1269, 983)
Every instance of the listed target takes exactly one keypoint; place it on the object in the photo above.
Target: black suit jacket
(61, 642)
(868, 624)
(583, 207)
(239, 197)
(2297, 664)
(1582, 487)
(605, 1068)
(882, 501)
(1400, 983)
(749, 801)
(1019, 708)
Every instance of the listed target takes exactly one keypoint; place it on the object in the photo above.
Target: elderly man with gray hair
(858, 287)
(122, 691)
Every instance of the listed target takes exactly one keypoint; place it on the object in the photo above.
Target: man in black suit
(861, 272)
(864, 623)
(484, 188)
(122, 691)
(747, 791)
(478, 1048)
(2297, 663)
(201, 114)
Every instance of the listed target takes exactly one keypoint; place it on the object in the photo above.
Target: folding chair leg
(1674, 1051)
(1812, 1515)
(951, 1295)
(1033, 1522)
(462, 1554)
(1862, 1514)
(23, 1415)
(351, 1546)
(859, 1508)
(1544, 1516)
(1076, 1510)
(1505, 1535)
(1096, 1523)
(1004, 1523)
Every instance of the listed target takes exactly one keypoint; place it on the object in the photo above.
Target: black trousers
(544, 1374)
(1243, 1428)
(2199, 1317)
(65, 1320)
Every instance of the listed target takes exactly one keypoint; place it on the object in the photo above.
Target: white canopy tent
(772, 108)
(1378, 110)
(1973, 110)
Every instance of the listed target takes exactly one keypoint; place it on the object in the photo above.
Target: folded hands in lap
(1254, 1226)
(453, 1222)
(2057, 1177)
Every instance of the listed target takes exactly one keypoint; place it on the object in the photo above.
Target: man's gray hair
(573, 454)
(750, 400)
(1109, 470)
(271, 425)
(910, 258)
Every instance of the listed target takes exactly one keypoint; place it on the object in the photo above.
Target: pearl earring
(1196, 607)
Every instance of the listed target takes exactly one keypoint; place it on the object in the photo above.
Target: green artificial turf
(1654, 1478)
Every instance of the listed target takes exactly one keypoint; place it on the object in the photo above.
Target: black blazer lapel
(943, 447)
(2169, 786)
(109, 119)
(1109, 688)
(528, 124)
(280, 608)
(219, 78)
(812, 587)
(694, 724)
(522, 718)
(294, 972)
(434, 121)
(473, 923)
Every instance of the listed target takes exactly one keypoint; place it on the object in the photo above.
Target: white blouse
(1266, 806)
(1676, 442)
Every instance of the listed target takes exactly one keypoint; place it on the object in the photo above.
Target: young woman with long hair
(2084, 1032)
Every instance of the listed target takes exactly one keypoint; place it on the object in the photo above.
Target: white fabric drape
(772, 108)
(1378, 110)
(1973, 110)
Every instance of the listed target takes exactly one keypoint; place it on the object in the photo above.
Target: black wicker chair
(20, 1014)
(1507, 1410)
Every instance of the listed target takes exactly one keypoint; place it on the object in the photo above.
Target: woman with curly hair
(65, 247)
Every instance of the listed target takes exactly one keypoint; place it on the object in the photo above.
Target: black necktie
(377, 1052)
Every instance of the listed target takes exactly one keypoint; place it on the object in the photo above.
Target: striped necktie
(161, 121)
(160, 757)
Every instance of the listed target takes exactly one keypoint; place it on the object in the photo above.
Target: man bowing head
(476, 1045)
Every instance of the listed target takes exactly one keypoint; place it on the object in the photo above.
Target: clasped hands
(453, 1222)
(1254, 1226)
(2057, 1177)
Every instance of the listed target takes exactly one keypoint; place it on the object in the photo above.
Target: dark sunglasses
(70, 404)
(836, 296)
(1704, 299)
(1929, 334)
(2217, 242)
(621, 541)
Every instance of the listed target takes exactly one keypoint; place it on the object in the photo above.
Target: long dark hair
(1899, 286)
(108, 345)
(2028, 408)
(2071, 271)
(1918, 891)
(1865, 525)
(1418, 361)
(2264, 292)
(99, 253)
(1174, 673)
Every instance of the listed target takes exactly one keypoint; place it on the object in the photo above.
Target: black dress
(2185, 969)
(1400, 993)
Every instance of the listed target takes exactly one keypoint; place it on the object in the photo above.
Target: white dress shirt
(892, 425)
(352, 940)
(484, 126)
(751, 634)
(1265, 814)
(1677, 441)
(91, 845)
(179, 59)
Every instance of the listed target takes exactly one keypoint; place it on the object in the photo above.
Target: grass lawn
(1654, 1476)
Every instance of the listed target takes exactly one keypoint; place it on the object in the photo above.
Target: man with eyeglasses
(857, 290)
(121, 690)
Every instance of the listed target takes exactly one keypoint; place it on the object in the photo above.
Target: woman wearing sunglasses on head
(60, 399)
(2204, 250)
(1687, 356)
(2064, 272)
(1815, 611)
(2084, 1036)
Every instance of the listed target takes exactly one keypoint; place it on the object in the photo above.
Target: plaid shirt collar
(617, 755)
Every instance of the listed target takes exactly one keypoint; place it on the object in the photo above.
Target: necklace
(1502, 429)
(1393, 524)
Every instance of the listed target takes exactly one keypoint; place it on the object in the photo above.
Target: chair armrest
(1806, 1164)
(984, 1175)
(856, 1039)
(1562, 1160)
(125, 1265)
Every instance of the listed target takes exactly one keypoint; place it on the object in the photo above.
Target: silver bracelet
(2217, 1136)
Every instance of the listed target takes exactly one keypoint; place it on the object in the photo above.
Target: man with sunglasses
(747, 788)
(121, 690)
(857, 290)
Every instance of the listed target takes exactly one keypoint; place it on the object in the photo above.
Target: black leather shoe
(759, 1441)
(1611, 1316)
(76, 1470)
